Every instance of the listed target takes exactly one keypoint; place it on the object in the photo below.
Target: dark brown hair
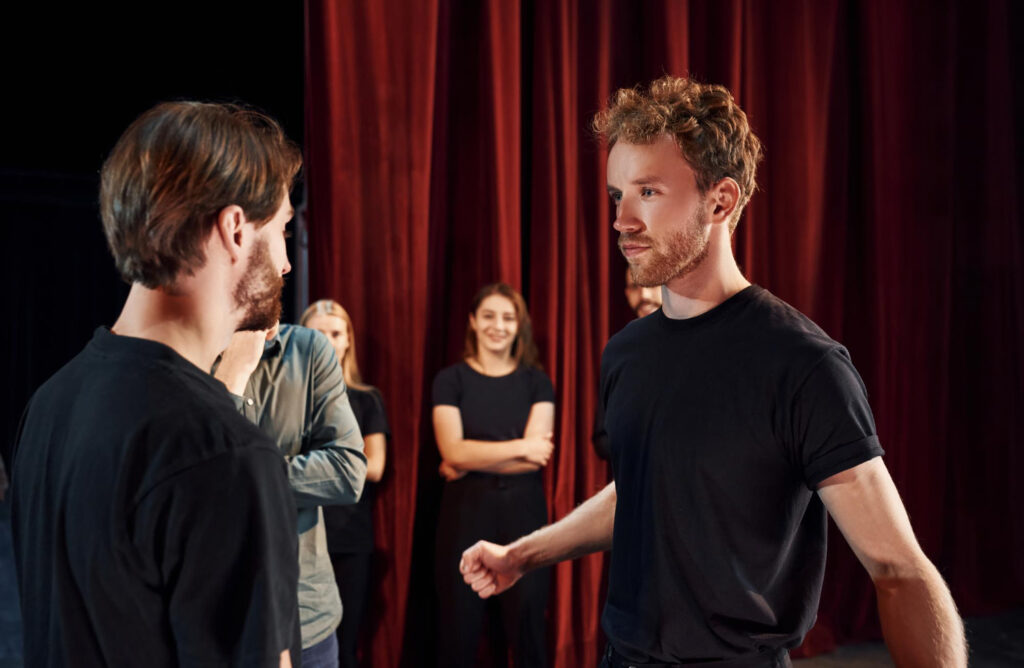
(524, 350)
(710, 128)
(172, 172)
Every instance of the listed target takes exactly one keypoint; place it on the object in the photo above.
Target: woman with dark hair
(350, 528)
(493, 415)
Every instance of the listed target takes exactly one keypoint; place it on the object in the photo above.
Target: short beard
(259, 291)
(683, 252)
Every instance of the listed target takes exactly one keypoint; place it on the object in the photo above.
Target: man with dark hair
(735, 423)
(153, 525)
(290, 383)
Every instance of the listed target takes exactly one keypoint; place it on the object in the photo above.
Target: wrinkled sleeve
(831, 425)
(225, 536)
(331, 469)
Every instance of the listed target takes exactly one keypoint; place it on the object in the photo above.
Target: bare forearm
(511, 467)
(920, 620)
(586, 529)
(468, 455)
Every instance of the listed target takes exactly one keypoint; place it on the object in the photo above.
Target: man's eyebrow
(612, 189)
(647, 181)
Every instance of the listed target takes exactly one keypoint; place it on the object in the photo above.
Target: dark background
(446, 148)
(73, 81)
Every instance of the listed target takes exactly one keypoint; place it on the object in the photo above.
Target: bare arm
(491, 569)
(541, 423)
(919, 619)
(374, 447)
(465, 454)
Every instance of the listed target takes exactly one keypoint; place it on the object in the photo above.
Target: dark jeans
(324, 654)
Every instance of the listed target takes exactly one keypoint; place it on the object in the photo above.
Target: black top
(153, 525)
(722, 426)
(350, 528)
(493, 408)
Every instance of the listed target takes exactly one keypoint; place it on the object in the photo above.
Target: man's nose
(626, 219)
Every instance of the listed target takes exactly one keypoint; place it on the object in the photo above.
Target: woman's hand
(449, 472)
(537, 449)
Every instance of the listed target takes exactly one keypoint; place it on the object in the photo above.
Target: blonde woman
(350, 528)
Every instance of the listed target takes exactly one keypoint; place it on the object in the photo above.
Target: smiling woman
(493, 418)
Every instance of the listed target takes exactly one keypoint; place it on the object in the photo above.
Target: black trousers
(352, 573)
(499, 509)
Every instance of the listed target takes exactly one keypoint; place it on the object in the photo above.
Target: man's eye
(615, 197)
(647, 192)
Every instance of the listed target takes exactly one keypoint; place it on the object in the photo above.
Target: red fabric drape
(447, 147)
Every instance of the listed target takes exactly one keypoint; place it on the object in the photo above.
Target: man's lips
(632, 250)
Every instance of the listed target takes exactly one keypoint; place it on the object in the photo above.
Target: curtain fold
(448, 146)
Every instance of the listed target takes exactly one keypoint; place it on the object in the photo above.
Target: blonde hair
(349, 365)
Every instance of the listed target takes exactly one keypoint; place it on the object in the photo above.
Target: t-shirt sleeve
(832, 428)
(541, 388)
(224, 536)
(376, 419)
(447, 389)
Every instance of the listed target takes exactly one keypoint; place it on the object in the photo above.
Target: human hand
(489, 569)
(239, 359)
(449, 472)
(537, 449)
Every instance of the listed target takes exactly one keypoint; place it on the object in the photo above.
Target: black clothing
(153, 525)
(493, 507)
(350, 528)
(494, 408)
(496, 508)
(354, 573)
(722, 426)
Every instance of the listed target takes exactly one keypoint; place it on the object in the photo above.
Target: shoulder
(537, 377)
(454, 374)
(635, 332)
(781, 328)
(303, 339)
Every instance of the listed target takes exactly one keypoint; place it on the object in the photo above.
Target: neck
(182, 319)
(709, 284)
(494, 364)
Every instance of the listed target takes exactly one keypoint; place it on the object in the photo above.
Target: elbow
(374, 471)
(893, 572)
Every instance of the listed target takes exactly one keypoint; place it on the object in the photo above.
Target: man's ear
(723, 197)
(231, 231)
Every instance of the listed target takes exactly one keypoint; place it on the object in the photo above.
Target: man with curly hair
(735, 424)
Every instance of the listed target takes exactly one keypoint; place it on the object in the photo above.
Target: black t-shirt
(493, 408)
(350, 528)
(153, 525)
(721, 427)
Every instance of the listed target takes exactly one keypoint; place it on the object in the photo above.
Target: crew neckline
(744, 296)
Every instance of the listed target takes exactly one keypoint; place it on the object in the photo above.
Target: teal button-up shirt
(297, 395)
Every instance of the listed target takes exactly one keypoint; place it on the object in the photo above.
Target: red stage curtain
(447, 147)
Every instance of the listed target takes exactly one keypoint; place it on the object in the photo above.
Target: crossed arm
(521, 455)
(919, 618)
